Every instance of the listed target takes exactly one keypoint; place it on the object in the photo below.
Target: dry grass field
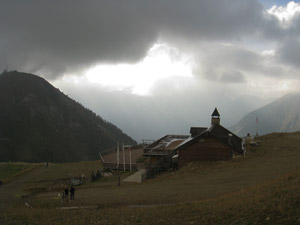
(261, 188)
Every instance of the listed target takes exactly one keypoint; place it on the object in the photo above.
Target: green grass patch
(10, 170)
(275, 202)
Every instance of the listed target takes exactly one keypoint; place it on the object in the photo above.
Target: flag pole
(130, 157)
(257, 126)
(123, 157)
(118, 158)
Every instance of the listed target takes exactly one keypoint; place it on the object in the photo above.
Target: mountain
(39, 123)
(248, 103)
(282, 115)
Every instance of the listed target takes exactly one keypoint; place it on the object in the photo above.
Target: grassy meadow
(261, 188)
(9, 171)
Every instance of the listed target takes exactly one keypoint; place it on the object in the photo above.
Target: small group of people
(65, 194)
(97, 175)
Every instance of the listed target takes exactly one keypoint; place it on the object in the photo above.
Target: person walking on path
(72, 193)
(63, 197)
(66, 193)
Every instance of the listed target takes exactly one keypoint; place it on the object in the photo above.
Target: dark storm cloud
(54, 37)
(61, 35)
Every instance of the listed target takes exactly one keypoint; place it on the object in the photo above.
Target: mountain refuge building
(214, 143)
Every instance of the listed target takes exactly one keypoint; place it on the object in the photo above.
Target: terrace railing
(157, 152)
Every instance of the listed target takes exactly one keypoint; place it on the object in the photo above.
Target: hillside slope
(282, 115)
(39, 123)
(260, 188)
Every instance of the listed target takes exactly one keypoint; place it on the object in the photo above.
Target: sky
(161, 66)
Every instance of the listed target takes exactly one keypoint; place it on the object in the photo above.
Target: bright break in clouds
(164, 49)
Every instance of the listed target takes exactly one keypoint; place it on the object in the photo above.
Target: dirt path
(10, 193)
(136, 177)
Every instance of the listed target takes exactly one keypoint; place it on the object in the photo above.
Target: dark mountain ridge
(282, 115)
(40, 123)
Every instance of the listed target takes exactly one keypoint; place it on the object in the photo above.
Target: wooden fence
(113, 166)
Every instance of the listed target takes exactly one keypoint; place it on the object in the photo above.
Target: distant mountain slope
(282, 115)
(39, 123)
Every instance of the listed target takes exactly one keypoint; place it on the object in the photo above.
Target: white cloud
(161, 62)
(285, 13)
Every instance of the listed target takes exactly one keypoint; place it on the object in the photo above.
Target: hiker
(72, 193)
(66, 193)
(92, 176)
(83, 177)
(63, 197)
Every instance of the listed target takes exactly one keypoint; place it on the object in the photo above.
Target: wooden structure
(194, 131)
(133, 153)
(214, 144)
(160, 153)
(205, 144)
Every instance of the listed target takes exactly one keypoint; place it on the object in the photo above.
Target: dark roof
(197, 130)
(165, 145)
(221, 134)
(215, 113)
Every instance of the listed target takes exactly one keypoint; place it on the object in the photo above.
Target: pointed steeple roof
(215, 113)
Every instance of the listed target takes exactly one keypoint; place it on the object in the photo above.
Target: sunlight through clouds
(161, 62)
(285, 13)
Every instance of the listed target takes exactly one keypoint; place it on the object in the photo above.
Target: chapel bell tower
(215, 117)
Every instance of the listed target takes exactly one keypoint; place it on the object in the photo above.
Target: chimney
(215, 117)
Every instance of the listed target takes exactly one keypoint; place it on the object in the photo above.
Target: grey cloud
(289, 52)
(232, 77)
(54, 37)
(59, 36)
(233, 63)
(294, 29)
(237, 57)
(217, 20)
